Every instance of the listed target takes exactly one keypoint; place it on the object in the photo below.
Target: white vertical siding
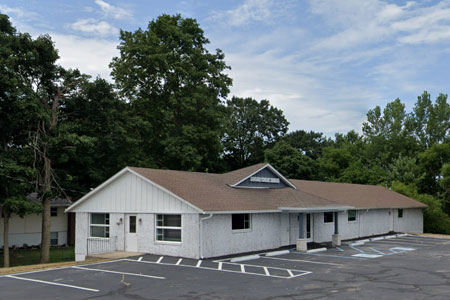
(412, 220)
(81, 235)
(368, 223)
(219, 239)
(27, 230)
(188, 247)
(130, 193)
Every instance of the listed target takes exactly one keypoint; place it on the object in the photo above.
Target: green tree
(431, 162)
(291, 162)
(17, 117)
(389, 133)
(15, 176)
(250, 128)
(445, 184)
(333, 162)
(176, 87)
(93, 129)
(405, 170)
(308, 143)
(431, 122)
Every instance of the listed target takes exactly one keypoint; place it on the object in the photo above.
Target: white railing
(101, 245)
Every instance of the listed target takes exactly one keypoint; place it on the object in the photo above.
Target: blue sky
(323, 62)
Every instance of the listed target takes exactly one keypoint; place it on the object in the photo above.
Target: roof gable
(264, 177)
(128, 191)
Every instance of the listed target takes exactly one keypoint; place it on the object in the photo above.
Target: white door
(131, 244)
(284, 238)
(309, 228)
(391, 220)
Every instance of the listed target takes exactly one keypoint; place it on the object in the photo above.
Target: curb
(316, 250)
(244, 258)
(275, 253)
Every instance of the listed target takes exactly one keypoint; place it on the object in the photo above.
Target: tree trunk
(45, 240)
(5, 240)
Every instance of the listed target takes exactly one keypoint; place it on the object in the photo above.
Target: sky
(325, 63)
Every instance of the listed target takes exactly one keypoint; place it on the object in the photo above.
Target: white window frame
(99, 225)
(356, 215)
(250, 223)
(168, 227)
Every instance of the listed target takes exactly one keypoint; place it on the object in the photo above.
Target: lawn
(22, 257)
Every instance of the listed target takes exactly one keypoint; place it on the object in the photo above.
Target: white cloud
(95, 27)
(12, 10)
(18, 12)
(113, 11)
(369, 22)
(89, 55)
(252, 11)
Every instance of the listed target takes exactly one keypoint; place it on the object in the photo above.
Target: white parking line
(266, 271)
(400, 242)
(377, 251)
(179, 261)
(420, 241)
(160, 259)
(53, 283)
(304, 260)
(117, 272)
(68, 267)
(242, 269)
(220, 266)
(140, 258)
(357, 249)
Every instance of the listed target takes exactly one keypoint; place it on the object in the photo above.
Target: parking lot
(406, 267)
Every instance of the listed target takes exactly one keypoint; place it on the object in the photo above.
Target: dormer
(267, 177)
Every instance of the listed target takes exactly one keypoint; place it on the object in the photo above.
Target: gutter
(315, 209)
(200, 235)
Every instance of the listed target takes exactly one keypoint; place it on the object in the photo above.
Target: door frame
(309, 216)
(130, 235)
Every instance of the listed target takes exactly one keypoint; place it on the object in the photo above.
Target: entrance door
(131, 233)
(284, 238)
(309, 228)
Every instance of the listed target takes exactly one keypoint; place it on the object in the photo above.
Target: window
(240, 221)
(132, 224)
(328, 217)
(54, 238)
(53, 211)
(400, 212)
(168, 228)
(351, 215)
(100, 225)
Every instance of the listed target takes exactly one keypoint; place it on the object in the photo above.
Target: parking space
(410, 267)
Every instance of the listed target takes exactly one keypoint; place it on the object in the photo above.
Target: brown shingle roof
(211, 192)
(357, 195)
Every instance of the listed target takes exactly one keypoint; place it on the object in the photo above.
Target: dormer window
(264, 178)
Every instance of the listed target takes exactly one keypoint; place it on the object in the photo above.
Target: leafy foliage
(250, 128)
(175, 87)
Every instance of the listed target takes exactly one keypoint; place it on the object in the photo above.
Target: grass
(22, 257)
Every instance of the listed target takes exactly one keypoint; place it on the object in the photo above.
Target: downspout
(200, 235)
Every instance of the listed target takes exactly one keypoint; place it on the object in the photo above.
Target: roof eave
(316, 209)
